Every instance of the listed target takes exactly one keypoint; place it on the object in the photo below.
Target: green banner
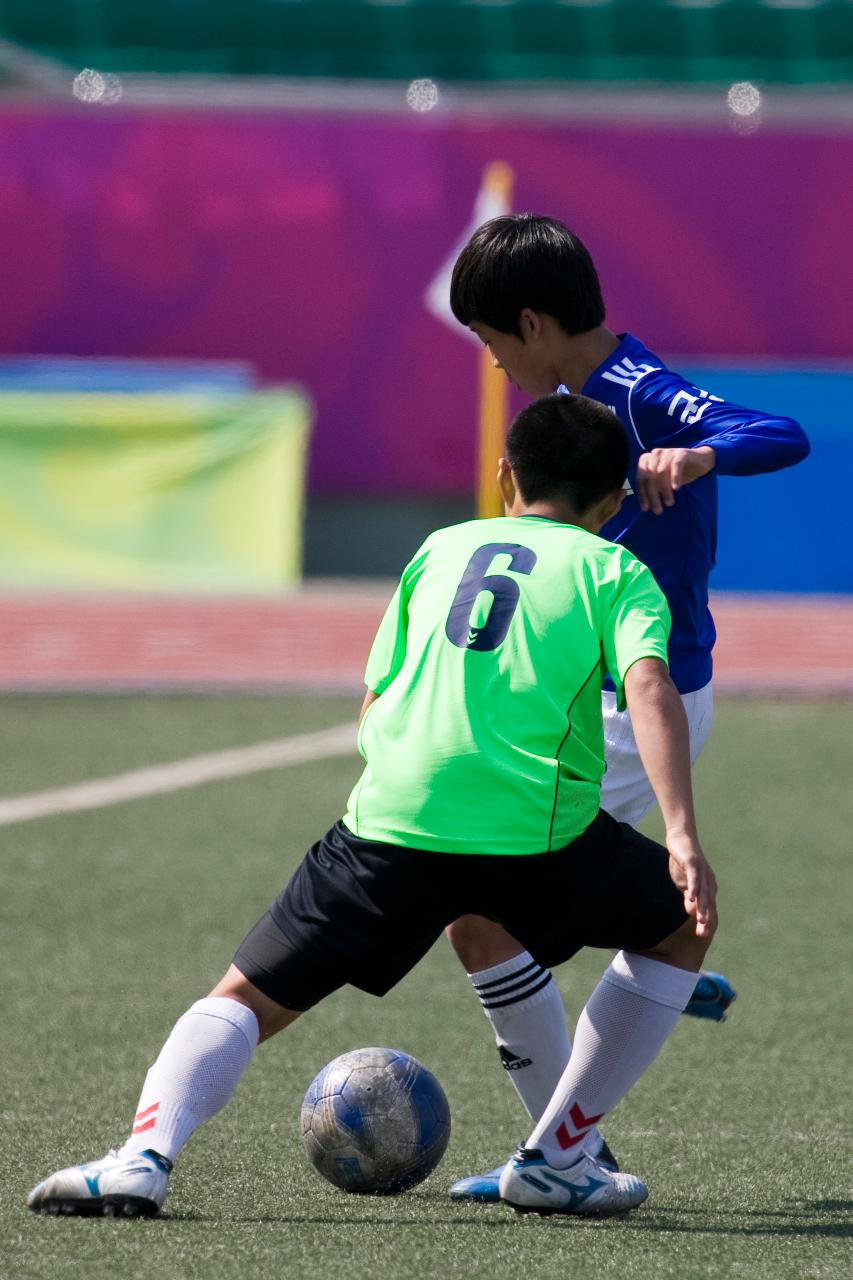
(152, 492)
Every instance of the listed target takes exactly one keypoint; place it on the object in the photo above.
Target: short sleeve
(389, 644)
(637, 625)
(388, 651)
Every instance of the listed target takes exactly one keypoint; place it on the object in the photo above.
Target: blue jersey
(660, 409)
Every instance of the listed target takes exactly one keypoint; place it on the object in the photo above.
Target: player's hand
(662, 472)
(691, 873)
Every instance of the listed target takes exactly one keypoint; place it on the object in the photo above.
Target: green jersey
(487, 736)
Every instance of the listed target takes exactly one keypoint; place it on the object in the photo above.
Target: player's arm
(369, 698)
(687, 433)
(660, 729)
(388, 651)
(635, 635)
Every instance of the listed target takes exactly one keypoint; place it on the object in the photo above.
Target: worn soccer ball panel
(375, 1121)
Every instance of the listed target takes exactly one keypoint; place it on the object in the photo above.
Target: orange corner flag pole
(494, 402)
(498, 180)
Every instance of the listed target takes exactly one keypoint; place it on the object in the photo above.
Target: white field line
(159, 779)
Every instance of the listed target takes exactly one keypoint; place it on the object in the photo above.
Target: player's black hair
(521, 260)
(567, 447)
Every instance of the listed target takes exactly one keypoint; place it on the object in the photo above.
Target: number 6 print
(505, 592)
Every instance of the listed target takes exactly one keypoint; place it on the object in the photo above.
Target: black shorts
(365, 913)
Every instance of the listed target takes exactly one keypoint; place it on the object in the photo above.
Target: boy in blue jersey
(528, 288)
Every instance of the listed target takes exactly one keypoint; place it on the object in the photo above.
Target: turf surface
(113, 921)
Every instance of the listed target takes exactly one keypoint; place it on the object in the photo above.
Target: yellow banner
(153, 492)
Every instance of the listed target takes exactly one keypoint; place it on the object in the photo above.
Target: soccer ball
(375, 1121)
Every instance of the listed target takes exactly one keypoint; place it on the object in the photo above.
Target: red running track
(317, 638)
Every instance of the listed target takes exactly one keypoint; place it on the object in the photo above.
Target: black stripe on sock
(523, 995)
(514, 986)
(508, 977)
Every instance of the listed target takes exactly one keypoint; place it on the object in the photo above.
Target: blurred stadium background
(230, 408)
(223, 364)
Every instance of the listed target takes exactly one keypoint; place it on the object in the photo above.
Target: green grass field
(114, 920)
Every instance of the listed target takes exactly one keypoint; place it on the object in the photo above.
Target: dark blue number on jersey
(505, 592)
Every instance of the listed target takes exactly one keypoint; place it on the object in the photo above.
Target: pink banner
(305, 245)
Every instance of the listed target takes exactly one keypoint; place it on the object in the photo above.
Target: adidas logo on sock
(511, 1061)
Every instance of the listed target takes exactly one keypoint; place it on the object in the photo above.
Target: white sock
(198, 1069)
(619, 1033)
(524, 1006)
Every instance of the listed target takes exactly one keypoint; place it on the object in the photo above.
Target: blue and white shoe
(115, 1187)
(484, 1188)
(711, 997)
(530, 1185)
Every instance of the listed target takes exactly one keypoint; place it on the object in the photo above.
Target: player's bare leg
(271, 1017)
(195, 1075)
(481, 943)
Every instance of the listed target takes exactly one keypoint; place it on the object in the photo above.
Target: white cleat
(115, 1187)
(530, 1185)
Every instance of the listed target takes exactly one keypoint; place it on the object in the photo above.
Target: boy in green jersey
(482, 735)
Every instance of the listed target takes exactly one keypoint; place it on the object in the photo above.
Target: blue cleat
(481, 1188)
(711, 998)
(484, 1188)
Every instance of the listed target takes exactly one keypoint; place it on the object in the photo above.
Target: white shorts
(626, 792)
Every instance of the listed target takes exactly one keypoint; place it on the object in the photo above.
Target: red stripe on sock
(140, 1115)
(149, 1124)
(580, 1121)
(562, 1136)
(582, 1124)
